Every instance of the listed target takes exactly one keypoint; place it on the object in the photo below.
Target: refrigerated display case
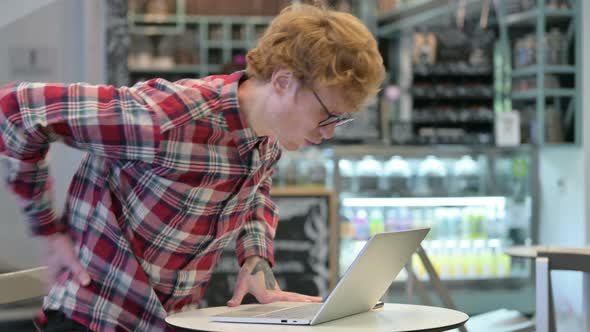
(476, 202)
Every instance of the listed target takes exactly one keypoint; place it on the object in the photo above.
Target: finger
(239, 294)
(56, 273)
(296, 297)
(50, 276)
(80, 273)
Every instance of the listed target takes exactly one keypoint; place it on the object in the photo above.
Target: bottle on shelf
(441, 217)
(434, 252)
(361, 225)
(376, 221)
(445, 260)
(456, 261)
(478, 247)
(469, 259)
(347, 235)
(418, 221)
(392, 221)
(473, 223)
(496, 223)
(431, 222)
(405, 219)
(501, 226)
(346, 226)
(503, 262)
(489, 268)
(454, 223)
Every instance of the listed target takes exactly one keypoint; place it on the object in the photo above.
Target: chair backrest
(22, 285)
(571, 259)
(550, 259)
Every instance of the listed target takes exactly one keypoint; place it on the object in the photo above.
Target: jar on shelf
(554, 47)
(466, 178)
(397, 174)
(369, 171)
(186, 49)
(287, 166)
(431, 178)
(346, 168)
(141, 55)
(315, 166)
(163, 57)
(159, 8)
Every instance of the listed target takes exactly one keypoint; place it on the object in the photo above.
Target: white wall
(72, 31)
(562, 220)
(585, 14)
(13, 10)
(565, 194)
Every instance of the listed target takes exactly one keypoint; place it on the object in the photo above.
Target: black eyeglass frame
(332, 118)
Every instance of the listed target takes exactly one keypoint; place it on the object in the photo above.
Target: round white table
(392, 317)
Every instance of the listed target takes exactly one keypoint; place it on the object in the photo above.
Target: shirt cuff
(254, 242)
(44, 223)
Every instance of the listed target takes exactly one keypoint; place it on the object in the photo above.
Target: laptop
(363, 284)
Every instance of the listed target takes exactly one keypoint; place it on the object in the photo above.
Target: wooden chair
(550, 259)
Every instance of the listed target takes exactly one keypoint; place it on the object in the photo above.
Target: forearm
(33, 187)
(26, 172)
(256, 237)
(254, 241)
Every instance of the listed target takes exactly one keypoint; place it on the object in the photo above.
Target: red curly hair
(320, 46)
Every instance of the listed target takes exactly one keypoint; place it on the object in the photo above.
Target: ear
(283, 80)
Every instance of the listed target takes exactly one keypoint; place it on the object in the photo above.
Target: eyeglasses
(332, 118)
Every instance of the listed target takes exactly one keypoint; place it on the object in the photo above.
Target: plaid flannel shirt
(172, 175)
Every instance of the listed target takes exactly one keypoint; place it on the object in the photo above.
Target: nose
(327, 132)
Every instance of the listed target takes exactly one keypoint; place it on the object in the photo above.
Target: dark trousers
(57, 321)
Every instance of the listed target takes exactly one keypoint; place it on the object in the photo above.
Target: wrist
(253, 259)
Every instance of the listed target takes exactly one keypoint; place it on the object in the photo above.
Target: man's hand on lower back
(58, 253)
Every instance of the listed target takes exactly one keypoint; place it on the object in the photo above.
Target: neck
(251, 98)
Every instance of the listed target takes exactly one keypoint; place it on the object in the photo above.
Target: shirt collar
(243, 136)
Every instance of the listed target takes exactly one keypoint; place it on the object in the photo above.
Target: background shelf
(547, 93)
(532, 70)
(529, 17)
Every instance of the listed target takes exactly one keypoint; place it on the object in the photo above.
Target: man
(175, 171)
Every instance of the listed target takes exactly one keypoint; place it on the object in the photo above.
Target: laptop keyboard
(299, 312)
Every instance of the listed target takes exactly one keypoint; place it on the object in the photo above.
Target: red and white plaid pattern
(171, 176)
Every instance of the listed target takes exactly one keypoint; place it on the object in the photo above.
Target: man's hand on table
(256, 277)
